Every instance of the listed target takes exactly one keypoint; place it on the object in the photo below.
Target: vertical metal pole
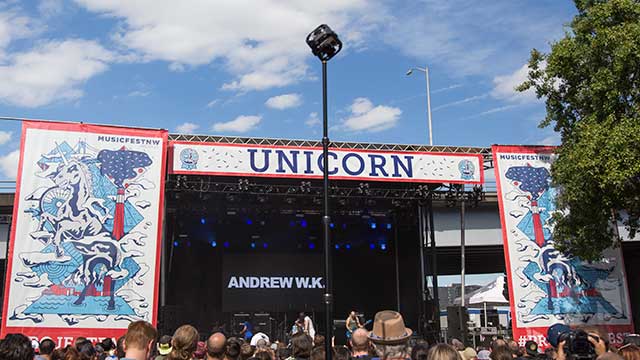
(486, 323)
(326, 220)
(434, 264)
(395, 251)
(423, 276)
(426, 74)
(462, 250)
(163, 258)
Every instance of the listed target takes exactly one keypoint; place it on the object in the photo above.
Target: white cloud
(50, 8)
(9, 164)
(51, 71)
(366, 117)
(504, 87)
(187, 128)
(460, 102)
(553, 139)
(242, 123)
(285, 101)
(313, 120)
(139, 93)
(14, 25)
(5, 136)
(260, 42)
(213, 103)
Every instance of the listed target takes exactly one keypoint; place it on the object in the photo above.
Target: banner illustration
(545, 285)
(83, 252)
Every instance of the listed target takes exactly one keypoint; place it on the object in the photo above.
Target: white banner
(85, 239)
(546, 287)
(307, 162)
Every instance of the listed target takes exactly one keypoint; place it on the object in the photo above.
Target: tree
(590, 81)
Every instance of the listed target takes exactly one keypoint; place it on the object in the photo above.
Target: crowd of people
(390, 339)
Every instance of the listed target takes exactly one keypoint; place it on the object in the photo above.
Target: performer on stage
(352, 324)
(247, 330)
(305, 324)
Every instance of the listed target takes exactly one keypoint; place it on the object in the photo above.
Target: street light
(324, 44)
(426, 74)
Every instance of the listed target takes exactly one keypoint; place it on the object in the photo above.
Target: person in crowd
(283, 353)
(163, 347)
(516, 352)
(138, 341)
(318, 341)
(457, 344)
(263, 355)
(79, 340)
(341, 353)
(628, 351)
(72, 353)
(233, 349)
(259, 335)
(609, 356)
(120, 347)
(598, 339)
(246, 351)
(184, 343)
(498, 343)
(247, 330)
(550, 353)
(201, 351)
(501, 353)
(360, 347)
(317, 353)
(632, 339)
(216, 344)
(109, 349)
(301, 346)
(420, 351)
(468, 354)
(58, 354)
(390, 337)
(46, 349)
(87, 351)
(16, 347)
(443, 352)
(531, 350)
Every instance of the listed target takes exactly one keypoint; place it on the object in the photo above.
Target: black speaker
(262, 322)
(340, 332)
(457, 318)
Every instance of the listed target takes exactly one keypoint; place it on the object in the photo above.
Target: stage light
(388, 226)
(249, 222)
(344, 226)
(303, 223)
(292, 223)
(348, 246)
(265, 245)
(203, 221)
(383, 246)
(373, 225)
(226, 244)
(332, 225)
(337, 246)
(175, 243)
(253, 245)
(324, 43)
(372, 246)
(312, 246)
(214, 243)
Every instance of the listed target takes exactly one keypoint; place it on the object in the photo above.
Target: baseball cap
(531, 348)
(484, 355)
(554, 332)
(164, 345)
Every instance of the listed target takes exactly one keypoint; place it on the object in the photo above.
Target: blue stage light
(214, 243)
(312, 246)
(303, 223)
(175, 243)
(337, 246)
(332, 225)
(372, 246)
(265, 245)
(388, 226)
(292, 223)
(253, 245)
(374, 225)
(348, 246)
(249, 222)
(226, 244)
(383, 246)
(203, 221)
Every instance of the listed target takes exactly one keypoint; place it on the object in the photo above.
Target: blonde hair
(184, 343)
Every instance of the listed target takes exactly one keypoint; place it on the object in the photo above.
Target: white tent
(490, 294)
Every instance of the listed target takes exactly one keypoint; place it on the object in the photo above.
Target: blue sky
(241, 67)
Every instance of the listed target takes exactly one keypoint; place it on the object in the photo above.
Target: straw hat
(468, 354)
(388, 328)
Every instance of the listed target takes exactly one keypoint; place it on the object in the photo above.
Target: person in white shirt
(258, 336)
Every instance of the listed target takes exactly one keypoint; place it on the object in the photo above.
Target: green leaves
(591, 83)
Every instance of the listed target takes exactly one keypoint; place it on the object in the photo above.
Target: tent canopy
(490, 294)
